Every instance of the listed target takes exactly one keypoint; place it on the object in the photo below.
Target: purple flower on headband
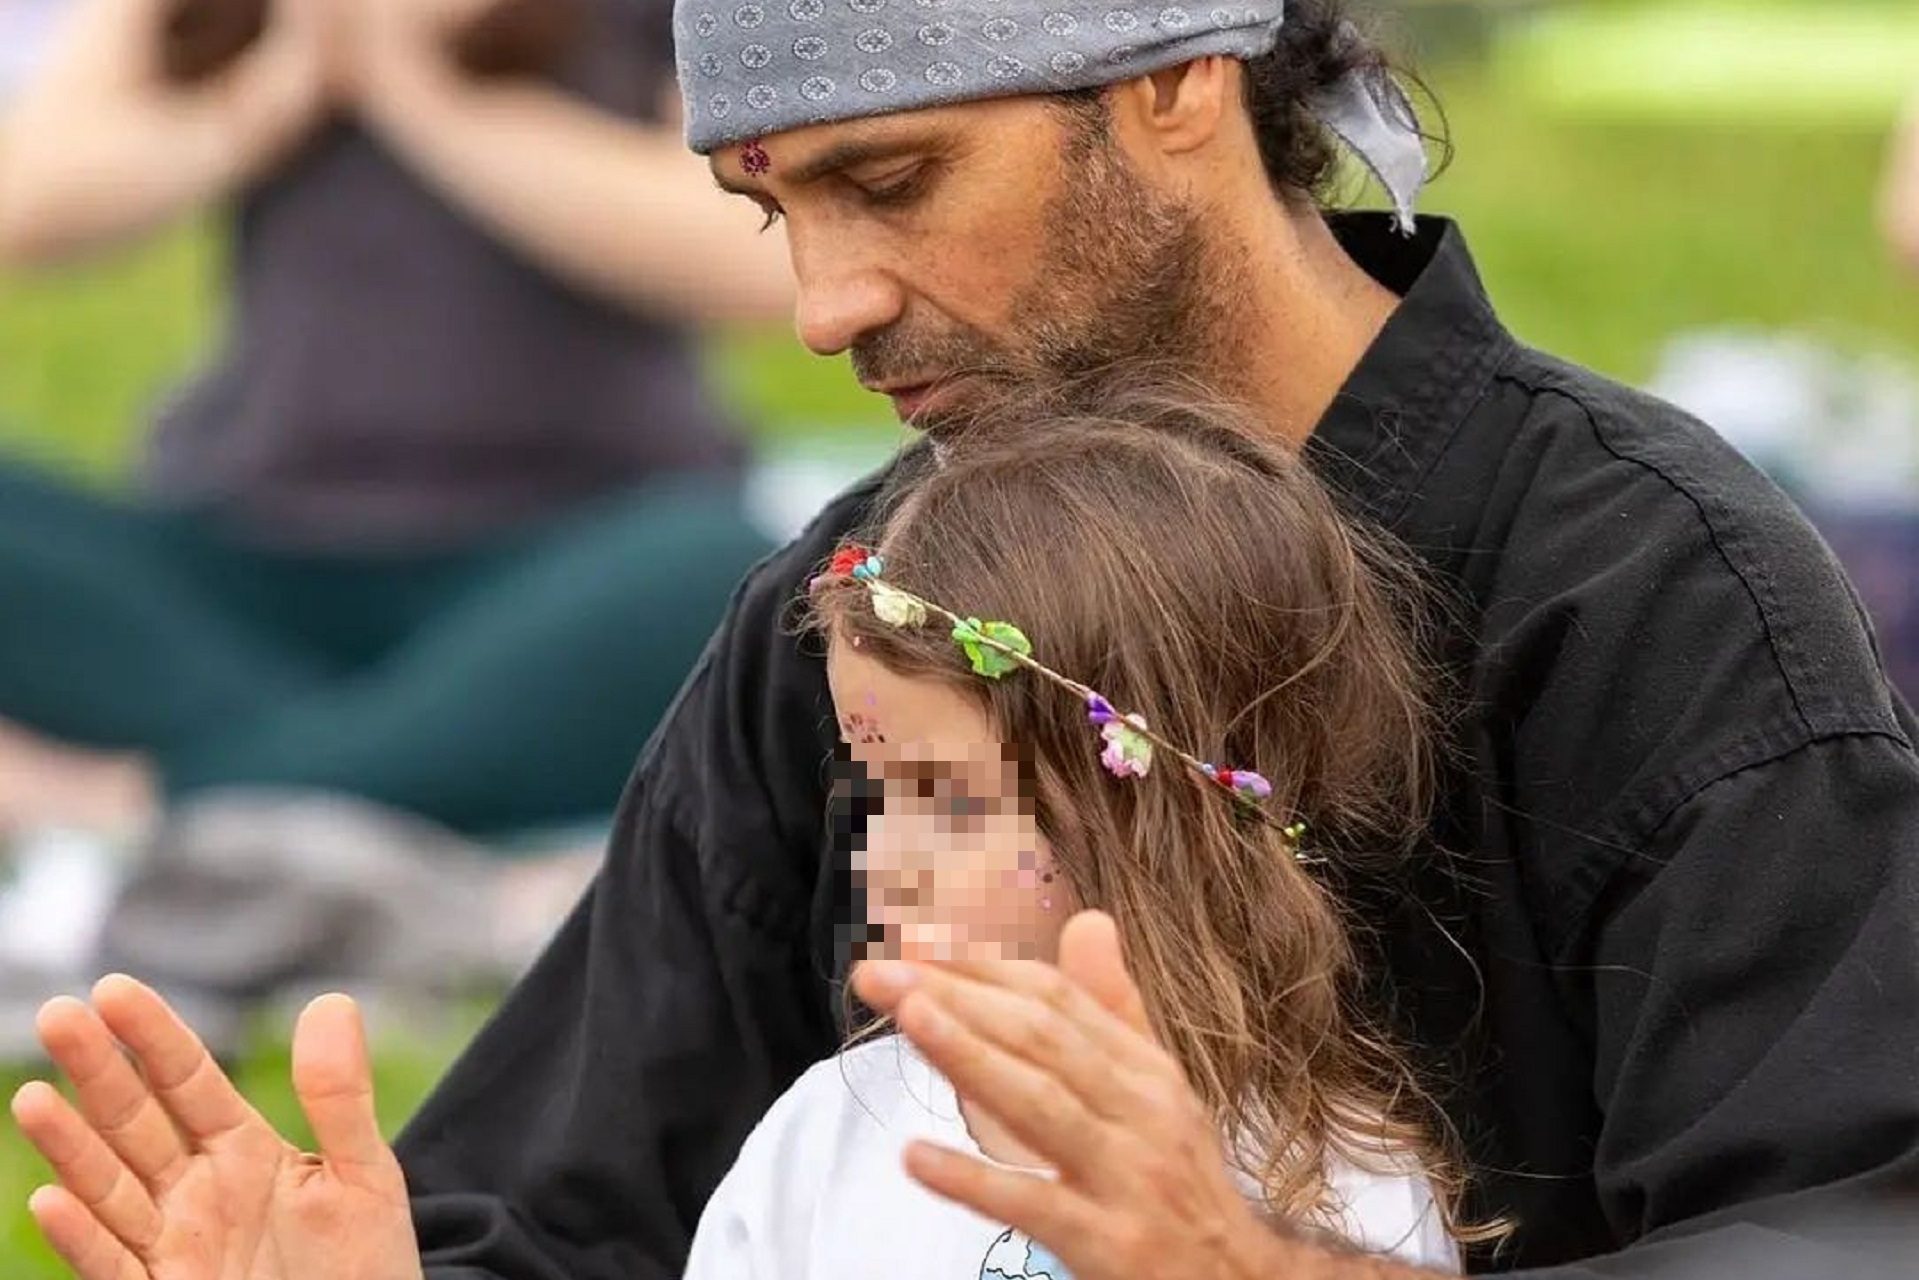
(1246, 783)
(1243, 783)
(1100, 711)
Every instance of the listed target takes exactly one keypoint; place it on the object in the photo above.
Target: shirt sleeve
(581, 1133)
(1756, 1001)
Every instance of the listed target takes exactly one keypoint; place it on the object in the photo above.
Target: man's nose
(841, 299)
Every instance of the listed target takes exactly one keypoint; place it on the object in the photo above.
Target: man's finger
(88, 1248)
(178, 1068)
(89, 1170)
(1031, 1102)
(114, 1099)
(882, 984)
(1034, 1029)
(1090, 955)
(1046, 1211)
(334, 1081)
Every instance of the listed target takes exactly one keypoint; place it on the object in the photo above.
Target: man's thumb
(334, 1081)
(1089, 954)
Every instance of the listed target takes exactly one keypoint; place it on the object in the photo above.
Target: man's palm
(167, 1174)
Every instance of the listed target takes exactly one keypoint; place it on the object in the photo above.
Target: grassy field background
(1603, 225)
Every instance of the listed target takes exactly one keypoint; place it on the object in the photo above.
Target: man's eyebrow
(837, 158)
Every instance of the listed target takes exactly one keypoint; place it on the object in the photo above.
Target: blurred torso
(392, 373)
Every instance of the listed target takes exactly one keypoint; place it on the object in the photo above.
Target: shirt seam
(1751, 575)
(1655, 803)
(1450, 396)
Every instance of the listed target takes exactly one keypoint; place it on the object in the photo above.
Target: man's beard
(1128, 280)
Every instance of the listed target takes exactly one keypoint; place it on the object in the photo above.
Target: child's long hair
(1152, 545)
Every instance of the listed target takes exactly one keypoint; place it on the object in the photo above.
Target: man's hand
(167, 1174)
(1066, 1061)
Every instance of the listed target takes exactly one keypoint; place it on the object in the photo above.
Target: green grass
(1741, 62)
(1599, 238)
(1600, 234)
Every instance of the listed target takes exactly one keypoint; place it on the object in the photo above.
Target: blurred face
(953, 865)
(945, 246)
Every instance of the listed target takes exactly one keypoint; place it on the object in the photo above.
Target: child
(1127, 658)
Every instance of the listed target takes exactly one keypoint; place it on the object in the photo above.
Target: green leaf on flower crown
(988, 659)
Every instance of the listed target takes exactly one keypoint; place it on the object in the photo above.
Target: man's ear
(1183, 108)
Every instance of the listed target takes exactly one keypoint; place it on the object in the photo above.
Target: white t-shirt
(819, 1193)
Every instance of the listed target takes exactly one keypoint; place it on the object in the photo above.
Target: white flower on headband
(895, 607)
(1128, 754)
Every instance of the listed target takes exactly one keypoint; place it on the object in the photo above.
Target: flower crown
(994, 649)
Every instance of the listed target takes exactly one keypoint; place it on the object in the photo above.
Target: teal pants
(496, 688)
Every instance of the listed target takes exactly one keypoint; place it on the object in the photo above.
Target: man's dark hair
(1320, 43)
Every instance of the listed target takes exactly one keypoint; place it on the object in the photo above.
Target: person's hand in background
(166, 1173)
(617, 207)
(389, 46)
(107, 142)
(1899, 199)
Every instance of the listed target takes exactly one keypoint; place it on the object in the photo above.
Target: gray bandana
(751, 68)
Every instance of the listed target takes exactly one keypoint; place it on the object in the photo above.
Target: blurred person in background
(422, 532)
(25, 26)
(1899, 205)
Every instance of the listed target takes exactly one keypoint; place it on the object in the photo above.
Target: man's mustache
(896, 354)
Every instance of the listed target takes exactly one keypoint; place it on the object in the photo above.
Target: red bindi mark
(753, 158)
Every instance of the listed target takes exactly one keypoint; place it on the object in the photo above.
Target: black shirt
(1671, 971)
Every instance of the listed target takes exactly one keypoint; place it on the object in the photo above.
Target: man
(1668, 972)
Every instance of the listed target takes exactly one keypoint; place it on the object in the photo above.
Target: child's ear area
(836, 676)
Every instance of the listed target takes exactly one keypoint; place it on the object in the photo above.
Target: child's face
(953, 866)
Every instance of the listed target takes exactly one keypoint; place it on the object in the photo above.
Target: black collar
(1421, 377)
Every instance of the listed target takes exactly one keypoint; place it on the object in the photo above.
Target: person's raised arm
(103, 145)
(618, 208)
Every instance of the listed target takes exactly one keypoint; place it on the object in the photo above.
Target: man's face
(949, 246)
